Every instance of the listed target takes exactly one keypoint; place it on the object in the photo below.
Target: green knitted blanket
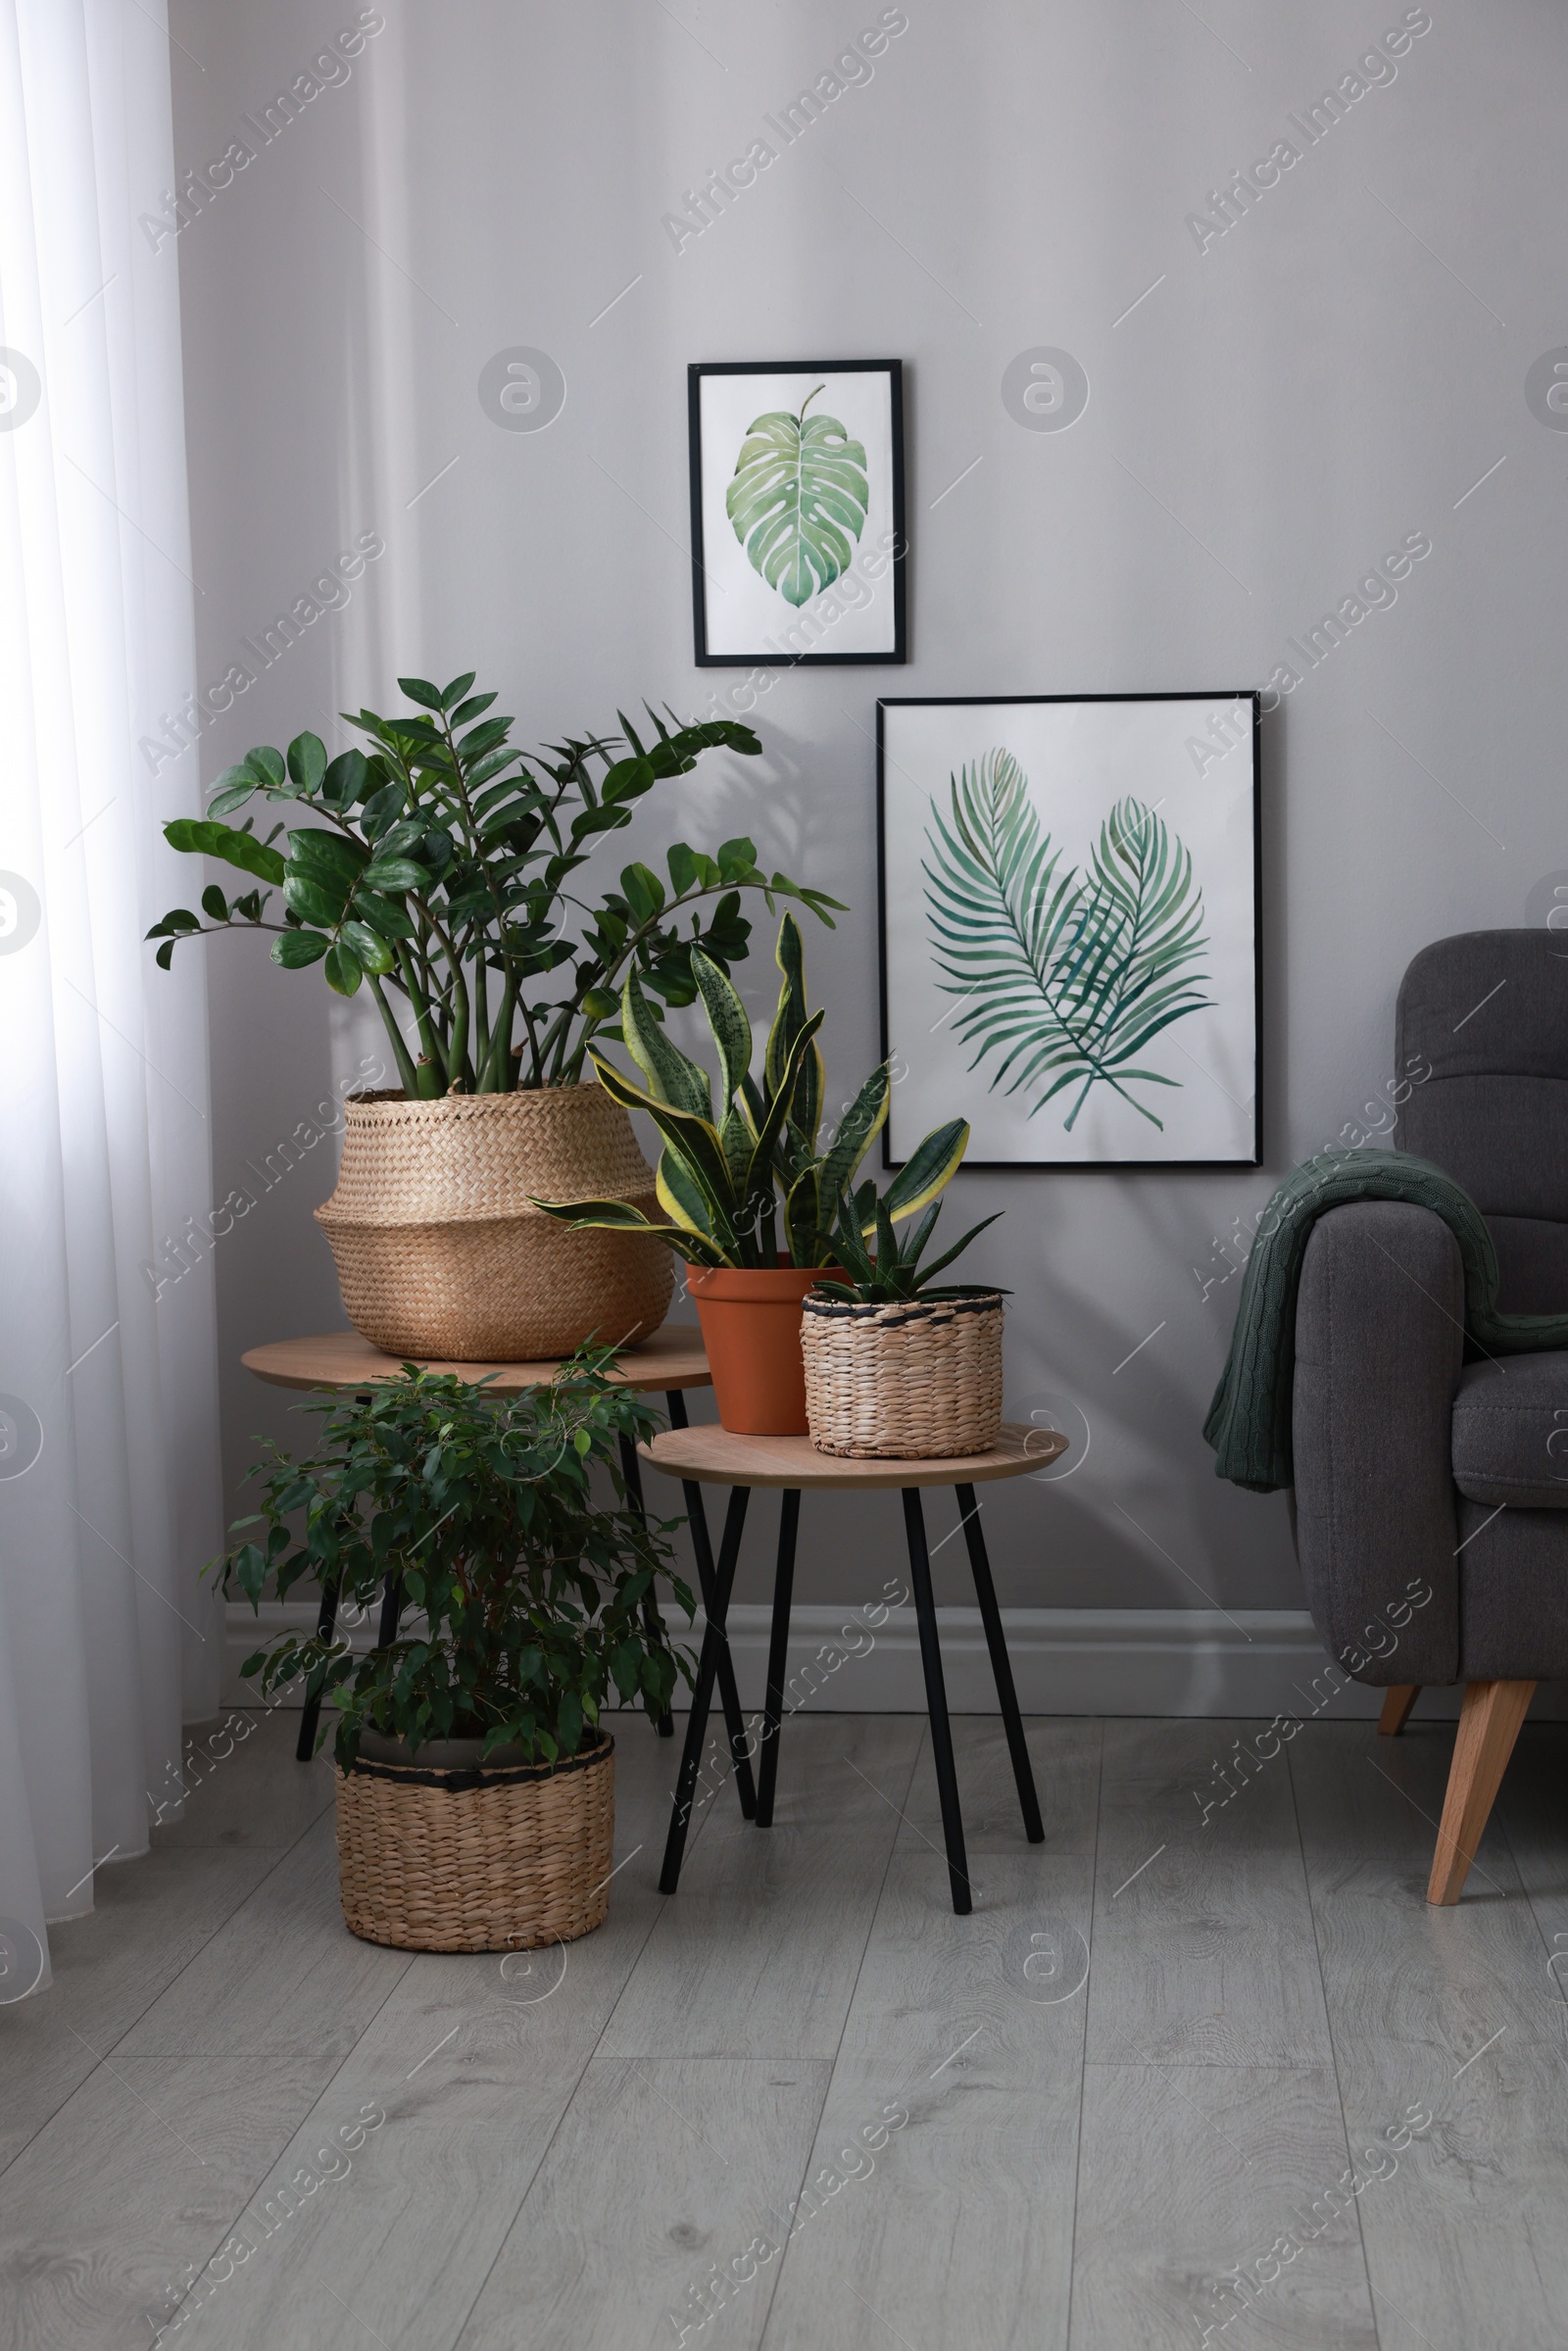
(1249, 1422)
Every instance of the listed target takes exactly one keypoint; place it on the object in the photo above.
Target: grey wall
(1330, 375)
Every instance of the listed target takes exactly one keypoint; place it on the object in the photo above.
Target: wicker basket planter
(913, 1381)
(439, 1254)
(498, 1858)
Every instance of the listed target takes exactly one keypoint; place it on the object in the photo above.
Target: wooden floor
(568, 2152)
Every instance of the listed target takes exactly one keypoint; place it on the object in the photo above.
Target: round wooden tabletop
(715, 1456)
(672, 1357)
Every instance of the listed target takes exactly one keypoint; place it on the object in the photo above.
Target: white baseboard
(1137, 1661)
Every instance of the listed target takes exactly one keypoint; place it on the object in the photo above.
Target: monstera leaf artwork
(1065, 978)
(798, 499)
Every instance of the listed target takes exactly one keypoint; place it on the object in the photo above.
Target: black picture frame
(764, 657)
(1060, 1167)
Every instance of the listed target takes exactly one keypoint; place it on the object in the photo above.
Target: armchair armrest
(1378, 1349)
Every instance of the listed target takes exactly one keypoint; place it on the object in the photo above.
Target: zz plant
(522, 1596)
(436, 868)
(746, 1170)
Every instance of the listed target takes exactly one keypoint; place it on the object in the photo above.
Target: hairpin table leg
(935, 1698)
(1001, 1664)
(703, 1694)
(777, 1654)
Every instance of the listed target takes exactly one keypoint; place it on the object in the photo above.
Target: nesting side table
(715, 1456)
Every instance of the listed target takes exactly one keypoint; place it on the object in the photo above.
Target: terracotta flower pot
(751, 1318)
(440, 1254)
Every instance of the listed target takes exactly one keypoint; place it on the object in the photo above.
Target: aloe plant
(1065, 978)
(798, 499)
(743, 1172)
(437, 870)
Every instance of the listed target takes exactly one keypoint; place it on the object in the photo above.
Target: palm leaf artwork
(1064, 978)
(798, 499)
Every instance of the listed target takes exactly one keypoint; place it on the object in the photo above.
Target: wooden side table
(670, 1361)
(714, 1456)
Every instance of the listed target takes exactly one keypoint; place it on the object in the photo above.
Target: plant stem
(404, 1060)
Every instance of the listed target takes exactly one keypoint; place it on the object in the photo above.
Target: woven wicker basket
(913, 1381)
(479, 1859)
(439, 1254)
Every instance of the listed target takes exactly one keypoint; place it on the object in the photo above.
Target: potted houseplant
(750, 1183)
(437, 870)
(896, 1364)
(475, 1784)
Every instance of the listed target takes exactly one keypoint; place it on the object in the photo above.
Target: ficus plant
(436, 869)
(523, 1574)
(744, 1176)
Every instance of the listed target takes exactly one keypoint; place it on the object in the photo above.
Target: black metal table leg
(935, 1698)
(789, 1519)
(631, 1472)
(325, 1623)
(1000, 1665)
(391, 1608)
(703, 1695)
(729, 1695)
(311, 1715)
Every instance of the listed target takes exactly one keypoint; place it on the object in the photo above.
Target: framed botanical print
(1068, 911)
(797, 512)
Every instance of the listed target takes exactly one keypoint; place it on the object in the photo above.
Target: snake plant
(895, 1273)
(743, 1176)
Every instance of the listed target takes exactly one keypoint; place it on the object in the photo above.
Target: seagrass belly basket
(439, 1254)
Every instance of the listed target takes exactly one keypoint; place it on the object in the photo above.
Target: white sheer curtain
(108, 1496)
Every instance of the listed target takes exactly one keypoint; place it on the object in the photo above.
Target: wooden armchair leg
(1396, 1705)
(1489, 1725)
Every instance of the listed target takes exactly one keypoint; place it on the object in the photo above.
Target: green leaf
(469, 709)
(419, 689)
(344, 971)
(454, 693)
(385, 915)
(346, 779)
(233, 789)
(694, 1139)
(395, 873)
(930, 1166)
(316, 899)
(331, 858)
(643, 891)
(215, 903)
(373, 952)
(862, 1123)
(295, 948)
(805, 1103)
(690, 872)
(197, 834)
(307, 762)
(798, 499)
(672, 1077)
(266, 763)
(726, 1018)
(175, 924)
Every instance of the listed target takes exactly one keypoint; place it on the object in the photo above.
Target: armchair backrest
(1488, 1012)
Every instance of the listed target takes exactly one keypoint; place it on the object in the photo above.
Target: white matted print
(798, 511)
(1068, 910)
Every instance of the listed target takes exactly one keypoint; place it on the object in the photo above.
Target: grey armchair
(1412, 1463)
